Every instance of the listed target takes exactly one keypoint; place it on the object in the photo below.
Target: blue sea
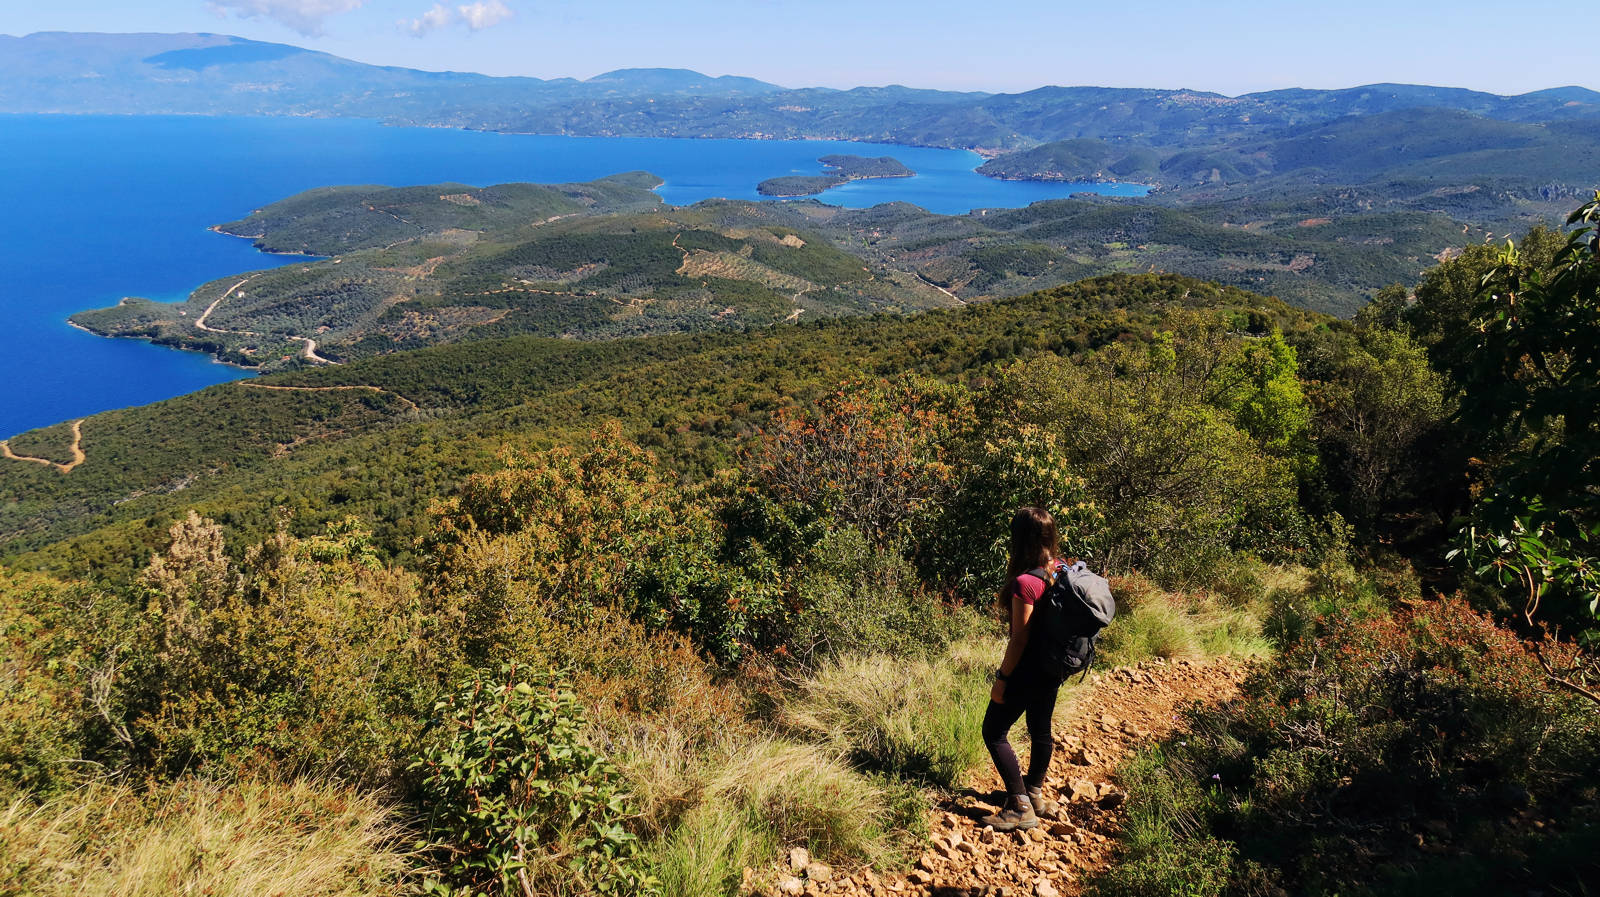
(94, 208)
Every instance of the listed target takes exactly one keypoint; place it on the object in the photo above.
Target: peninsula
(837, 169)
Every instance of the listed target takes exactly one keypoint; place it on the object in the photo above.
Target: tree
(1378, 402)
(1178, 482)
(1533, 384)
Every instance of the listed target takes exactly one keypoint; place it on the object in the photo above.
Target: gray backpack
(1067, 620)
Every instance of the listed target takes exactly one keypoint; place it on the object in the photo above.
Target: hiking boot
(1017, 815)
(1043, 806)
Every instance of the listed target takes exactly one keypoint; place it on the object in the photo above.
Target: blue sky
(1230, 47)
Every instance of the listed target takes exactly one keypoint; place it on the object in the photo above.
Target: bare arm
(1021, 612)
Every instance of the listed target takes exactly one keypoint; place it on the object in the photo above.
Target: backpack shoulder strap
(1042, 574)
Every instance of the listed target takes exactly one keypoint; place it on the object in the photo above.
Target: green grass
(766, 794)
(1162, 853)
(1153, 623)
(916, 719)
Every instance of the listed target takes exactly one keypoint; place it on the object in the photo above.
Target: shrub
(1009, 465)
(1331, 592)
(43, 695)
(305, 656)
(1372, 747)
(199, 837)
(871, 456)
(1179, 483)
(520, 804)
(554, 534)
(854, 598)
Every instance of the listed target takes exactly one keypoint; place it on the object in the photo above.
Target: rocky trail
(1099, 726)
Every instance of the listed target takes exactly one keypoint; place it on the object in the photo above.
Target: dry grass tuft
(918, 719)
(252, 839)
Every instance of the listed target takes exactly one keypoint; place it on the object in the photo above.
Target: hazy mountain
(218, 74)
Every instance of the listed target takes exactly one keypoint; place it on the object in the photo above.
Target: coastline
(252, 370)
(217, 229)
(239, 367)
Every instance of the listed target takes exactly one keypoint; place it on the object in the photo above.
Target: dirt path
(1127, 708)
(958, 299)
(378, 389)
(686, 257)
(307, 351)
(76, 448)
(200, 322)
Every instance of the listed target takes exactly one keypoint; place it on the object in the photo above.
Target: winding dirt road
(308, 351)
(76, 448)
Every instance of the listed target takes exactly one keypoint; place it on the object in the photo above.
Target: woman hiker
(1020, 689)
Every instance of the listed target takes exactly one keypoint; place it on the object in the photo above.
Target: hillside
(418, 266)
(659, 616)
(1436, 143)
(424, 418)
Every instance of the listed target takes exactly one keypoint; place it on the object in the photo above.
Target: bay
(94, 208)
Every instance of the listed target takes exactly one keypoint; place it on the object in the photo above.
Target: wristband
(1000, 675)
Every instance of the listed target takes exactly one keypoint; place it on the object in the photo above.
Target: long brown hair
(1034, 541)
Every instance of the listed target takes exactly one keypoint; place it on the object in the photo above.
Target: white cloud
(476, 16)
(432, 20)
(484, 14)
(304, 16)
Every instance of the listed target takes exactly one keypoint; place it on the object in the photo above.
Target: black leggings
(1039, 703)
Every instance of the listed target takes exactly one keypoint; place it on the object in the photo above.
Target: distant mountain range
(219, 74)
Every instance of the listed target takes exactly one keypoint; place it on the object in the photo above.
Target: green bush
(1332, 591)
(519, 803)
(42, 693)
(551, 535)
(1006, 465)
(305, 656)
(1180, 481)
(1373, 748)
(856, 599)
